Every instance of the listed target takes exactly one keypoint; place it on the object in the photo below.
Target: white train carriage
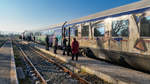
(119, 35)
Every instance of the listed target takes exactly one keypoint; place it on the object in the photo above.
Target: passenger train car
(120, 35)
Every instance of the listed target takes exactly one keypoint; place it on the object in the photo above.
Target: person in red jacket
(75, 49)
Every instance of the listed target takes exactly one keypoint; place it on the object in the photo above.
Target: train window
(76, 32)
(67, 32)
(120, 28)
(145, 26)
(99, 30)
(45, 32)
(85, 30)
(51, 32)
(73, 32)
(37, 33)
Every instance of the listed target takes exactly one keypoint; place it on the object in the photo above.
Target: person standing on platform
(68, 49)
(75, 49)
(50, 41)
(55, 45)
(47, 42)
(34, 38)
(64, 45)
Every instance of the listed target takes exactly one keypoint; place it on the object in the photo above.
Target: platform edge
(13, 73)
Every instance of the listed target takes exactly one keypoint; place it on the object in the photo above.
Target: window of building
(99, 29)
(85, 30)
(120, 28)
(145, 26)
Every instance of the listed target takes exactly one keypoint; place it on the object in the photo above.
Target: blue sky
(20, 15)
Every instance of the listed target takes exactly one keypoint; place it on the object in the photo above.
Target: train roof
(126, 9)
(122, 10)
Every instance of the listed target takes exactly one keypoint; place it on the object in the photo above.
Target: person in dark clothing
(75, 49)
(34, 38)
(64, 45)
(51, 41)
(47, 42)
(68, 49)
(55, 45)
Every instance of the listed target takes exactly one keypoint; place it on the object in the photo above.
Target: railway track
(48, 71)
(45, 69)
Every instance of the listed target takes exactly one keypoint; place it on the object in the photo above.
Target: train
(120, 35)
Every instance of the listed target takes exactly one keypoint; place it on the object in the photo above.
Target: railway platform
(7, 65)
(106, 71)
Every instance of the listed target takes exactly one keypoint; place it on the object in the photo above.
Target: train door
(99, 43)
(58, 34)
(84, 34)
(66, 35)
(73, 33)
(70, 33)
(144, 40)
(119, 41)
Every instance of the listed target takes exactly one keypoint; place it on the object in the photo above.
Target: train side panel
(120, 42)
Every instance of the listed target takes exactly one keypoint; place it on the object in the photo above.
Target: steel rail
(35, 70)
(83, 81)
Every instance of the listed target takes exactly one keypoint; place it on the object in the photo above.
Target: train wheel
(83, 52)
